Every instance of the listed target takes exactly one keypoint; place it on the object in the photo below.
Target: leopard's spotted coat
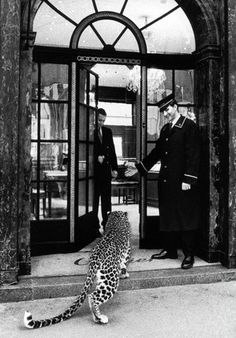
(108, 263)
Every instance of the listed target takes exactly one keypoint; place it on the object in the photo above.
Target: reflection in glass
(184, 86)
(92, 119)
(34, 81)
(54, 121)
(56, 194)
(54, 82)
(52, 156)
(34, 154)
(91, 195)
(82, 198)
(52, 199)
(92, 90)
(159, 84)
(34, 122)
(82, 123)
(82, 86)
(155, 121)
(38, 201)
(57, 205)
(91, 160)
(82, 160)
(155, 85)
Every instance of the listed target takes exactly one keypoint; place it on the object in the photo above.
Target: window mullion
(119, 36)
(98, 35)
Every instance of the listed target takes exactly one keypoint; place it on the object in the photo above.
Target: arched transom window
(162, 23)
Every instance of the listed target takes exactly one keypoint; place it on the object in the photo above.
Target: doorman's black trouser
(186, 238)
(103, 189)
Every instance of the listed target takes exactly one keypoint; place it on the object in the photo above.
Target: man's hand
(131, 171)
(186, 186)
(114, 174)
(100, 159)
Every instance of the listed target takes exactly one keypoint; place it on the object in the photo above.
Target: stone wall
(230, 237)
(9, 96)
(25, 164)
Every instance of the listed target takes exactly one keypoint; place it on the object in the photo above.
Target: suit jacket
(105, 148)
(178, 149)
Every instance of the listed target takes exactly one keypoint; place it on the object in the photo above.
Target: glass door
(86, 95)
(50, 156)
(160, 84)
(64, 101)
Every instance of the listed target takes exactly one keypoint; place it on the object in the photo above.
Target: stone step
(31, 288)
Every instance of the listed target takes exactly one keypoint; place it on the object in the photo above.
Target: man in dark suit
(178, 149)
(105, 166)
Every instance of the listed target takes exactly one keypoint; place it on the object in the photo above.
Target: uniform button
(165, 166)
(164, 181)
(167, 139)
(166, 152)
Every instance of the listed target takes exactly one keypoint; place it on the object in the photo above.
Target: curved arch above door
(160, 24)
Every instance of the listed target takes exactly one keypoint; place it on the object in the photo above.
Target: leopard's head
(117, 217)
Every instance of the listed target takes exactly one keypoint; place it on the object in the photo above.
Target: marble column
(230, 75)
(25, 165)
(207, 99)
(9, 96)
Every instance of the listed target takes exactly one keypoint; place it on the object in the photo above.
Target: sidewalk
(189, 311)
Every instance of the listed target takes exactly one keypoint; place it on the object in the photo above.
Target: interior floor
(77, 263)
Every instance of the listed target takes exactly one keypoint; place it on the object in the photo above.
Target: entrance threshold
(32, 288)
(76, 263)
(63, 275)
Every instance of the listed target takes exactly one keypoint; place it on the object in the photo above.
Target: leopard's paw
(102, 319)
(124, 274)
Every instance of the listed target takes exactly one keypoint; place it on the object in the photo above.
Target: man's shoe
(164, 254)
(187, 262)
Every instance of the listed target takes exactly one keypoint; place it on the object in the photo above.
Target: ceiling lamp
(155, 82)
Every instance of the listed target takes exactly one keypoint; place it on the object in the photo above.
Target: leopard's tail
(30, 323)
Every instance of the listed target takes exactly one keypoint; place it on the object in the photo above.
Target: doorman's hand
(100, 159)
(130, 171)
(114, 174)
(186, 186)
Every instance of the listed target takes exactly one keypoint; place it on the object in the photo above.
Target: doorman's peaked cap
(164, 103)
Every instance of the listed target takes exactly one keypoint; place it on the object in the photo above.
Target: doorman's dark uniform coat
(102, 172)
(178, 150)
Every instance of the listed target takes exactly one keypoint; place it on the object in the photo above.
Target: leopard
(107, 265)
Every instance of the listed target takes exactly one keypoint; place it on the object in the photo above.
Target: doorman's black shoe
(187, 262)
(164, 254)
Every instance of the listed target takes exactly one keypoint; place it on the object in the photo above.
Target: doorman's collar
(180, 122)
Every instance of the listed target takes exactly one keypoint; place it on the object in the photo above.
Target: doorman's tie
(100, 134)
